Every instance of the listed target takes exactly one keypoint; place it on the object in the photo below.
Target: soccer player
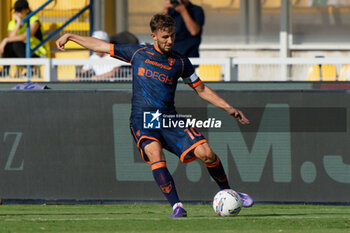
(156, 69)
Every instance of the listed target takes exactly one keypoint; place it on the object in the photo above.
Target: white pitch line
(75, 219)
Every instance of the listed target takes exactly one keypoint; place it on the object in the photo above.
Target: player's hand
(239, 116)
(62, 41)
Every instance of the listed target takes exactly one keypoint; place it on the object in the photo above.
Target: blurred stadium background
(304, 37)
(73, 143)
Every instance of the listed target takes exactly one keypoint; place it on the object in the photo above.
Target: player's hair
(162, 22)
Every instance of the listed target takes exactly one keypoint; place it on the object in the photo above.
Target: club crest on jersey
(171, 61)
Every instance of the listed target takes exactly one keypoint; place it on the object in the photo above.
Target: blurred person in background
(14, 45)
(100, 71)
(189, 21)
(124, 37)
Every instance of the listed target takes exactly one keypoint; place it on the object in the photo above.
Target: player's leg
(216, 170)
(162, 176)
(213, 164)
(190, 144)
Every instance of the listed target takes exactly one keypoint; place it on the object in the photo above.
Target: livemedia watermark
(157, 120)
(263, 119)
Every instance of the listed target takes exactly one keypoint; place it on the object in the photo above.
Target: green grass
(153, 218)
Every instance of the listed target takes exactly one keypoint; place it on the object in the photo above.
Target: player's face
(164, 40)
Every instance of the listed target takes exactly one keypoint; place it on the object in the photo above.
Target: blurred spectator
(14, 45)
(124, 38)
(101, 71)
(189, 21)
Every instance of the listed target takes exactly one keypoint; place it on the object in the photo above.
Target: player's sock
(165, 181)
(178, 204)
(217, 172)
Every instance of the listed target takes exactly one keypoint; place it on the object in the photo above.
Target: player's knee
(154, 152)
(207, 156)
(210, 157)
(154, 155)
(204, 153)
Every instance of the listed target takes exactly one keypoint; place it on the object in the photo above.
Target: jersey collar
(169, 55)
(157, 49)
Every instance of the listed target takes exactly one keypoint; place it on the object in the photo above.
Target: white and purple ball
(227, 203)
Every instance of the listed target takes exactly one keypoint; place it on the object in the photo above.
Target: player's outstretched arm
(90, 43)
(212, 97)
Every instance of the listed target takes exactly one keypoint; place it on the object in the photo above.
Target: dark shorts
(180, 141)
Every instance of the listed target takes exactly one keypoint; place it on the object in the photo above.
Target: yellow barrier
(329, 72)
(313, 73)
(344, 73)
(68, 72)
(209, 72)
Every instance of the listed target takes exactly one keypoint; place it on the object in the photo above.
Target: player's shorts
(180, 141)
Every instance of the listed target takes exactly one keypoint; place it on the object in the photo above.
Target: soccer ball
(227, 203)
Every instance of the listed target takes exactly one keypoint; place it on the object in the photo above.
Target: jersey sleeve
(124, 52)
(189, 75)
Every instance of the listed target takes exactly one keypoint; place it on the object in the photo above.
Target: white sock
(177, 205)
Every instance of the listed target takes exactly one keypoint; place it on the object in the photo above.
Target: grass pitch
(153, 218)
